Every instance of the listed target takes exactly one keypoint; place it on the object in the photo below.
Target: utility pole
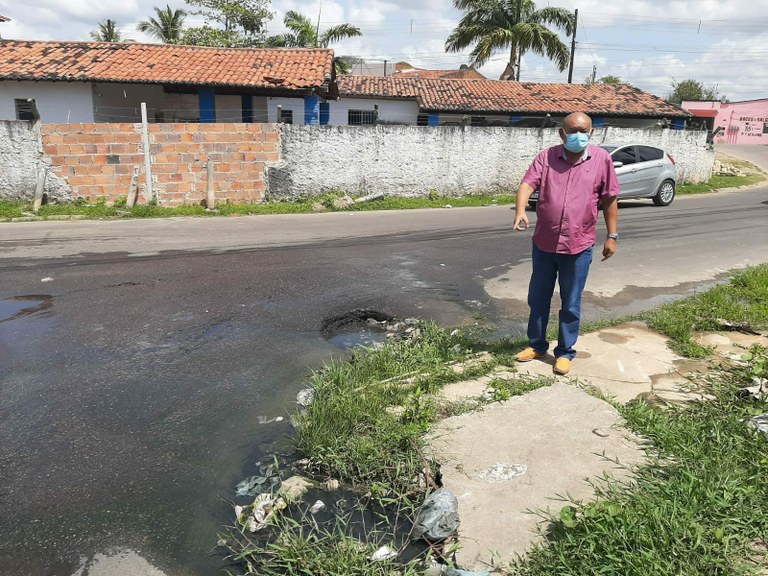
(594, 73)
(573, 45)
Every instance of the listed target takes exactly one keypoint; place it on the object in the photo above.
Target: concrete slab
(557, 434)
(729, 343)
(621, 362)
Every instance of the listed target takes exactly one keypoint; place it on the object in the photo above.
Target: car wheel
(532, 204)
(665, 194)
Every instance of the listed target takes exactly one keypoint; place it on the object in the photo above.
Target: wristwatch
(613, 236)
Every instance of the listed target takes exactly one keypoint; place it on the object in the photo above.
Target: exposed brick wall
(97, 160)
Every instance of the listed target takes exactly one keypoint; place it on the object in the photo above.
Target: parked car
(643, 172)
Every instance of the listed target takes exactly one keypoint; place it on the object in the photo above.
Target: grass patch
(699, 507)
(743, 300)
(101, 210)
(369, 414)
(717, 182)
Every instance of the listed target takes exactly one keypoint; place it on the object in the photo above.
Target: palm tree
(304, 34)
(107, 32)
(515, 24)
(167, 27)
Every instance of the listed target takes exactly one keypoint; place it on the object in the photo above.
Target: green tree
(249, 17)
(107, 32)
(492, 25)
(167, 27)
(691, 90)
(241, 23)
(304, 34)
(604, 80)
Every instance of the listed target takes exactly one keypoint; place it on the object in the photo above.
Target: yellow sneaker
(562, 366)
(527, 355)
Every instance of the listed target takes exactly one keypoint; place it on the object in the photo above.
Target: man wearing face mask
(572, 179)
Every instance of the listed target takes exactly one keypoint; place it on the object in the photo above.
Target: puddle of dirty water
(15, 307)
(23, 320)
(362, 337)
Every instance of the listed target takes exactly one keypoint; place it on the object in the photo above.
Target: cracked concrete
(564, 436)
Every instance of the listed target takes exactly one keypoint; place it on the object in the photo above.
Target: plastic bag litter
(438, 518)
(760, 423)
(267, 481)
(383, 553)
(257, 515)
(448, 571)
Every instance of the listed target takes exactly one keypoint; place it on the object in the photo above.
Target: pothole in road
(359, 327)
(367, 327)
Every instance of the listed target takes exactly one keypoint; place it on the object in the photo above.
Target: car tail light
(671, 159)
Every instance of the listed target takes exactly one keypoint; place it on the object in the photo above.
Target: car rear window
(608, 149)
(648, 153)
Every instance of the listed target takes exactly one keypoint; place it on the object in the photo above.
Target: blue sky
(648, 43)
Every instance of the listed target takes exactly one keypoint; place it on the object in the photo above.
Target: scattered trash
(305, 397)
(267, 481)
(332, 485)
(447, 206)
(383, 553)
(448, 571)
(454, 332)
(758, 390)
(318, 506)
(742, 327)
(295, 487)
(501, 472)
(442, 265)
(369, 197)
(265, 420)
(438, 518)
(46, 279)
(456, 348)
(760, 423)
(257, 515)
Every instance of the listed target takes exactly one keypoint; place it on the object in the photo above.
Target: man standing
(572, 179)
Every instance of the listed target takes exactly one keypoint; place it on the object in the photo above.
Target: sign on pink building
(735, 122)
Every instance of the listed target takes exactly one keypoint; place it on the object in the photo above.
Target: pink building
(735, 122)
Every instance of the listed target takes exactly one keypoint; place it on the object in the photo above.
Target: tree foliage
(691, 90)
(107, 32)
(610, 79)
(249, 17)
(241, 23)
(304, 34)
(492, 25)
(167, 27)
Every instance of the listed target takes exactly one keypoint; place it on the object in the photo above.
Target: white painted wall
(57, 102)
(414, 160)
(390, 111)
(295, 104)
(121, 103)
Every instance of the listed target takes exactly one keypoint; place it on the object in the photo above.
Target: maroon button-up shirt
(566, 212)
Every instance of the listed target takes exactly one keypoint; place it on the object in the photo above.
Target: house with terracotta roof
(428, 101)
(73, 82)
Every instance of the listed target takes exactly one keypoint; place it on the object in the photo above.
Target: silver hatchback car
(643, 172)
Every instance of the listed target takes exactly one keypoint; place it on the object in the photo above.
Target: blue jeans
(570, 270)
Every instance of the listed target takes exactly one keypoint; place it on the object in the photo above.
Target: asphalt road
(138, 356)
